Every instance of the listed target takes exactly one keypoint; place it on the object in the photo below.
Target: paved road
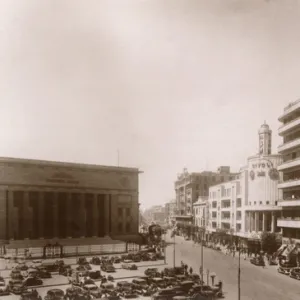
(256, 282)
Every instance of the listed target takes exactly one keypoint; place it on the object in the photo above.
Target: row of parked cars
(290, 269)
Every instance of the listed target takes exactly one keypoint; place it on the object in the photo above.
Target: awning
(281, 249)
(289, 250)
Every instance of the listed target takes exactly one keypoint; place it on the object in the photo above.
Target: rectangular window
(120, 212)
(128, 212)
(127, 227)
(120, 227)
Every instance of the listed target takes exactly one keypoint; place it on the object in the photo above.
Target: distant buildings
(170, 211)
(201, 212)
(189, 186)
(247, 206)
(290, 169)
(155, 214)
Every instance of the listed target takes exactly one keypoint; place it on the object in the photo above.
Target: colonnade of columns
(261, 221)
(39, 214)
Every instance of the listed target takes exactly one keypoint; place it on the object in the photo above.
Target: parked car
(82, 261)
(107, 287)
(17, 287)
(159, 282)
(142, 283)
(284, 270)
(151, 272)
(93, 290)
(167, 294)
(108, 268)
(55, 294)
(257, 261)
(72, 291)
(30, 294)
(32, 281)
(129, 266)
(295, 273)
(95, 274)
(95, 260)
(43, 274)
(4, 291)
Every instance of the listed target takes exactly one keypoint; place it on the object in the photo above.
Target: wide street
(256, 282)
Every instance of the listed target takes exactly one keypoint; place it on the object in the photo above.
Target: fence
(68, 251)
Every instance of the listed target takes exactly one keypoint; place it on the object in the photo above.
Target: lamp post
(174, 249)
(202, 236)
(239, 272)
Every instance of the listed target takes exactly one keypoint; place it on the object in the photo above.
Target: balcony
(289, 109)
(289, 222)
(225, 220)
(289, 202)
(286, 128)
(289, 145)
(289, 183)
(292, 163)
(226, 207)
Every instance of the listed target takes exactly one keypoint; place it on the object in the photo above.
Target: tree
(269, 242)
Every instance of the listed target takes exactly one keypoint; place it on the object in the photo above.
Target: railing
(289, 219)
(291, 105)
(289, 141)
(226, 206)
(289, 122)
(289, 180)
(297, 198)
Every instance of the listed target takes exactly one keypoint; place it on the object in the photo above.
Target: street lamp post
(239, 273)
(174, 249)
(202, 236)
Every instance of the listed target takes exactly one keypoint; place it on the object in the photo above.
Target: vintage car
(151, 272)
(16, 287)
(92, 289)
(55, 294)
(295, 273)
(140, 283)
(72, 291)
(124, 286)
(16, 274)
(129, 295)
(82, 261)
(95, 274)
(284, 270)
(167, 294)
(4, 290)
(65, 270)
(159, 282)
(107, 287)
(109, 268)
(50, 266)
(116, 259)
(30, 294)
(129, 266)
(257, 261)
(95, 260)
(32, 281)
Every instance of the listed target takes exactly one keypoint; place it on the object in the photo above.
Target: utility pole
(202, 233)
(239, 274)
(174, 249)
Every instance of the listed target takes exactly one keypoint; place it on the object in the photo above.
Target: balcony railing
(289, 106)
(226, 206)
(290, 144)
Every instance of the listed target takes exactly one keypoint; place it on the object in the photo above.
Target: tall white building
(290, 169)
(248, 206)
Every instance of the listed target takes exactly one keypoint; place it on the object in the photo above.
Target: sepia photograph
(150, 149)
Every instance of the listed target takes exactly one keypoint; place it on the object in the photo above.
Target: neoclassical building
(44, 200)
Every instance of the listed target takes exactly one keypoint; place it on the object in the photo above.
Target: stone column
(10, 215)
(69, 216)
(256, 221)
(106, 215)
(55, 215)
(41, 214)
(272, 222)
(26, 220)
(264, 223)
(82, 216)
(95, 215)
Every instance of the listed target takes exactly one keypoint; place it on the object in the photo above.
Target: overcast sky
(170, 83)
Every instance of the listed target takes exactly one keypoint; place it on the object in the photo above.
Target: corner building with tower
(73, 204)
(247, 206)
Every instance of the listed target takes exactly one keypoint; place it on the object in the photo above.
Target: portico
(261, 221)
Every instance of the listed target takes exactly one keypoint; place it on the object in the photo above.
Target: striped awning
(281, 249)
(289, 250)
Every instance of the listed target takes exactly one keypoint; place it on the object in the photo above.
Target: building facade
(248, 206)
(201, 212)
(190, 186)
(170, 210)
(290, 169)
(43, 200)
